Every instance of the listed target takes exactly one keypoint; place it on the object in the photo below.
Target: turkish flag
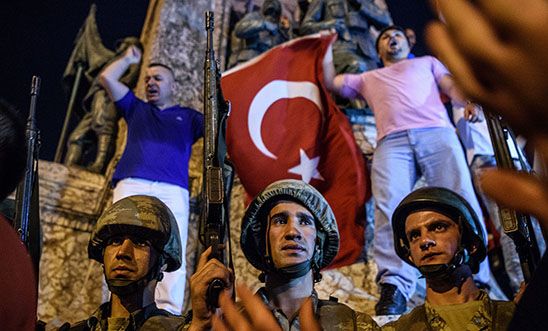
(284, 124)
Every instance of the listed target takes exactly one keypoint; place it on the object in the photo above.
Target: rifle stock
(516, 225)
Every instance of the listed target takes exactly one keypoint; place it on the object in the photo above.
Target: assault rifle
(516, 225)
(26, 200)
(218, 173)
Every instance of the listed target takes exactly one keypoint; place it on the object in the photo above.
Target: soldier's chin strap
(291, 272)
(436, 272)
(125, 287)
(295, 271)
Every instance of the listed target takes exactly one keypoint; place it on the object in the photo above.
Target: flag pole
(70, 110)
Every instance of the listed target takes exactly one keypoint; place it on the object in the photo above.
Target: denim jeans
(170, 292)
(399, 160)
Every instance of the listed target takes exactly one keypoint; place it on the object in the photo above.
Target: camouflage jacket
(149, 318)
(331, 315)
(492, 315)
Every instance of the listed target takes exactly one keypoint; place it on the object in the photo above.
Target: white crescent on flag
(270, 93)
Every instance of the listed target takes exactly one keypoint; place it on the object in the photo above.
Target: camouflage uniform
(492, 315)
(148, 318)
(330, 314)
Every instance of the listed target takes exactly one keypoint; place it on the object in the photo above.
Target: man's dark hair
(159, 64)
(13, 149)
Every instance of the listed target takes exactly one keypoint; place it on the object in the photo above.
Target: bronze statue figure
(98, 123)
(258, 32)
(354, 50)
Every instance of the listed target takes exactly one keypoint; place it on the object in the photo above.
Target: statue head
(335, 9)
(272, 9)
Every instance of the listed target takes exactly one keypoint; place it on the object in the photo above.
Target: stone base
(71, 200)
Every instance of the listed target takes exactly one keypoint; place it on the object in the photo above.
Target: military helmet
(144, 217)
(254, 223)
(450, 204)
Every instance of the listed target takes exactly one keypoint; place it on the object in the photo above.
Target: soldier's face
(128, 258)
(433, 237)
(292, 234)
(159, 85)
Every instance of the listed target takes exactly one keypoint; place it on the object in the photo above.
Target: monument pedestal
(71, 200)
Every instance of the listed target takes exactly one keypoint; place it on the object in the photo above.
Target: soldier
(136, 240)
(288, 233)
(438, 232)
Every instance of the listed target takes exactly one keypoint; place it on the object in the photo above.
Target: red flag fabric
(284, 124)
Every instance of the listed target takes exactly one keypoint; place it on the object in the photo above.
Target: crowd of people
(289, 231)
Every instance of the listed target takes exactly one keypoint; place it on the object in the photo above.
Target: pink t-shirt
(402, 96)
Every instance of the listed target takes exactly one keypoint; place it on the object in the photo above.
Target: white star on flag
(308, 168)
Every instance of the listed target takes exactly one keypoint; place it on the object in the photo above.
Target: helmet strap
(291, 272)
(125, 287)
(442, 277)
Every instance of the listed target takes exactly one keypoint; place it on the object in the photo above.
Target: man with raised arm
(155, 160)
(415, 137)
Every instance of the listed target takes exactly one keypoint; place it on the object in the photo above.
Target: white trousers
(170, 292)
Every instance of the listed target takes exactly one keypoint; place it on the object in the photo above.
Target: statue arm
(313, 21)
(250, 25)
(110, 77)
(377, 16)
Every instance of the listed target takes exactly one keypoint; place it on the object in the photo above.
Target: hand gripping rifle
(516, 225)
(27, 202)
(218, 172)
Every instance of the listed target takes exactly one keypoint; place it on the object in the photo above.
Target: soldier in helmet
(438, 232)
(136, 240)
(288, 233)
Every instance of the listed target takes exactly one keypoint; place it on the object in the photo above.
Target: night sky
(37, 39)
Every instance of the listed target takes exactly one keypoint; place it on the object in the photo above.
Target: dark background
(36, 38)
